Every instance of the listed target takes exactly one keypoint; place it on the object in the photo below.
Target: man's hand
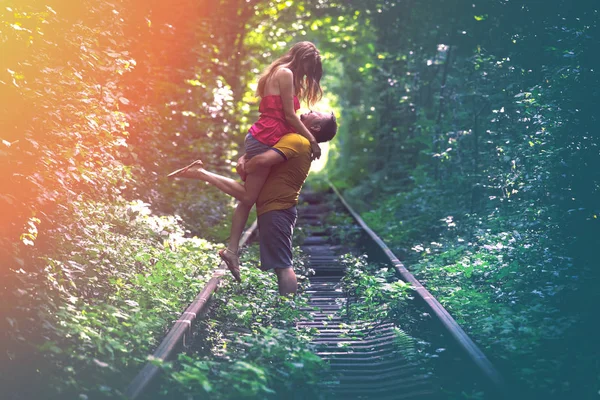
(240, 168)
(316, 150)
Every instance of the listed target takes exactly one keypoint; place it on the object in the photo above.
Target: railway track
(366, 361)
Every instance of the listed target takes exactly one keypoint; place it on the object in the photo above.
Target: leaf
(100, 363)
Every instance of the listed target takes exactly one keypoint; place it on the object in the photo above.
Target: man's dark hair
(328, 129)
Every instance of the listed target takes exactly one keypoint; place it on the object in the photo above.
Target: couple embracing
(279, 149)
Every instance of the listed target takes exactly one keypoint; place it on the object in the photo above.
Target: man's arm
(264, 160)
(240, 167)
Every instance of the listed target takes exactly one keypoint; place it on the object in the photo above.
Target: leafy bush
(250, 347)
(114, 283)
(374, 293)
(271, 363)
(505, 289)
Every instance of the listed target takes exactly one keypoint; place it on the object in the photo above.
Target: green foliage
(341, 228)
(115, 282)
(374, 292)
(251, 347)
(100, 100)
(271, 363)
(255, 302)
(63, 124)
(504, 287)
(467, 126)
(105, 99)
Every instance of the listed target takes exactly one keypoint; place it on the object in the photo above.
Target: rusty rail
(175, 338)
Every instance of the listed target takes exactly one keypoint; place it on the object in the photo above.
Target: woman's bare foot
(181, 172)
(232, 261)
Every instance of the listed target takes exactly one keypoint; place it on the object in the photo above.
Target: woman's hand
(316, 150)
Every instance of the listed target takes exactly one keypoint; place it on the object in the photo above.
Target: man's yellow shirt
(282, 188)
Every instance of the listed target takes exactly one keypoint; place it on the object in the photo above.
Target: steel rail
(493, 378)
(175, 338)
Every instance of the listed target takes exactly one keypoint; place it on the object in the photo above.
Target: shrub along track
(366, 357)
(175, 340)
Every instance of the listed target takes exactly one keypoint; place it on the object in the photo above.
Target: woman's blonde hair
(304, 60)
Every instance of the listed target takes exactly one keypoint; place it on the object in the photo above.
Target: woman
(291, 78)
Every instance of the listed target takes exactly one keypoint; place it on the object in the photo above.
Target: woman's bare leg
(246, 194)
(224, 184)
(254, 183)
(240, 217)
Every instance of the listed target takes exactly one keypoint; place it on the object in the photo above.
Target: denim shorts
(275, 230)
(254, 147)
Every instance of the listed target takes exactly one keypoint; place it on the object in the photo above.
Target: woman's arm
(285, 78)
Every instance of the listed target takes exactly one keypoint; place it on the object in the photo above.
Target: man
(289, 161)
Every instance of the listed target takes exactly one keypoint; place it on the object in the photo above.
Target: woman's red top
(272, 125)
